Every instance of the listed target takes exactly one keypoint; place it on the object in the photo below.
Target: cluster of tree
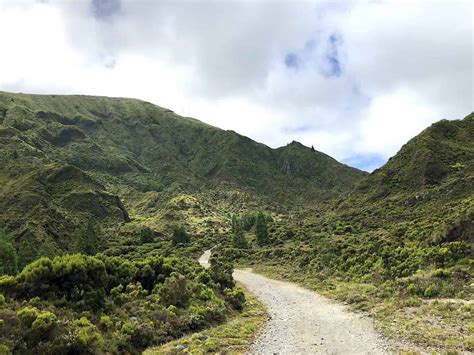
(239, 226)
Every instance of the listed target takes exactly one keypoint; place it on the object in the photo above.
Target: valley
(120, 197)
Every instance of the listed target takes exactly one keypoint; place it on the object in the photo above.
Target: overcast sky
(356, 79)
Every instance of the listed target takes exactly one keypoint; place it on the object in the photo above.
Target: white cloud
(392, 119)
(404, 64)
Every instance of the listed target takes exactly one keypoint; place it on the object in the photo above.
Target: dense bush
(221, 272)
(180, 236)
(78, 304)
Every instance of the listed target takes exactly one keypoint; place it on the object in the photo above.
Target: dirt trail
(303, 322)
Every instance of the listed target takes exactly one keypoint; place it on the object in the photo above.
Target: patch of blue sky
(102, 9)
(366, 162)
(324, 53)
(332, 67)
(292, 61)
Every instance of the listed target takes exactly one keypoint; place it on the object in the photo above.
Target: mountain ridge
(131, 149)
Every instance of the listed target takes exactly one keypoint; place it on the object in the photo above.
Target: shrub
(27, 315)
(106, 322)
(221, 273)
(235, 297)
(44, 325)
(412, 289)
(430, 291)
(87, 338)
(441, 273)
(180, 236)
(174, 292)
(146, 236)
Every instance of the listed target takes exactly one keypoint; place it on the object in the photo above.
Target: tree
(8, 256)
(146, 236)
(238, 238)
(180, 236)
(87, 239)
(261, 230)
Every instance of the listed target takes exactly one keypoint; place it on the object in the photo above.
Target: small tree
(87, 239)
(261, 230)
(221, 272)
(146, 236)
(180, 236)
(238, 238)
(8, 255)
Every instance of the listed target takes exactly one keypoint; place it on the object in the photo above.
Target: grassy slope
(163, 168)
(399, 246)
(391, 246)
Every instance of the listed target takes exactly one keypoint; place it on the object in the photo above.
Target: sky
(354, 79)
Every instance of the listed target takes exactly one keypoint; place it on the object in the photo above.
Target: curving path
(303, 322)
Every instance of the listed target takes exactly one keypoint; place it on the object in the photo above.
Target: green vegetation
(97, 304)
(66, 161)
(261, 231)
(401, 239)
(139, 192)
(237, 230)
(232, 337)
(180, 236)
(8, 256)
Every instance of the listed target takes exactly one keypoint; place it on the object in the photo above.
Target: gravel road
(303, 322)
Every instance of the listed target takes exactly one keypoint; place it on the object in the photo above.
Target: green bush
(180, 236)
(146, 236)
(28, 315)
(221, 273)
(430, 291)
(235, 297)
(44, 325)
(106, 322)
(174, 292)
(412, 289)
(140, 303)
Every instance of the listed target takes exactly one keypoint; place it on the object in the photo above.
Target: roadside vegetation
(78, 304)
(233, 337)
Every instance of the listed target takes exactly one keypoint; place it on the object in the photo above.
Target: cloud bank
(356, 79)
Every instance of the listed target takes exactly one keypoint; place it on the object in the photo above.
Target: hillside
(71, 160)
(138, 191)
(399, 245)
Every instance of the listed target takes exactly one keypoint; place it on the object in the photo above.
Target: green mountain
(427, 189)
(414, 213)
(149, 189)
(398, 246)
(70, 160)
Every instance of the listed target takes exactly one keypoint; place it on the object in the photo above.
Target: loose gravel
(303, 322)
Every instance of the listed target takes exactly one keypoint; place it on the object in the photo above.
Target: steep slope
(428, 187)
(112, 149)
(399, 245)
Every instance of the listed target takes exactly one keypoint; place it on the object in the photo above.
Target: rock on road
(303, 322)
